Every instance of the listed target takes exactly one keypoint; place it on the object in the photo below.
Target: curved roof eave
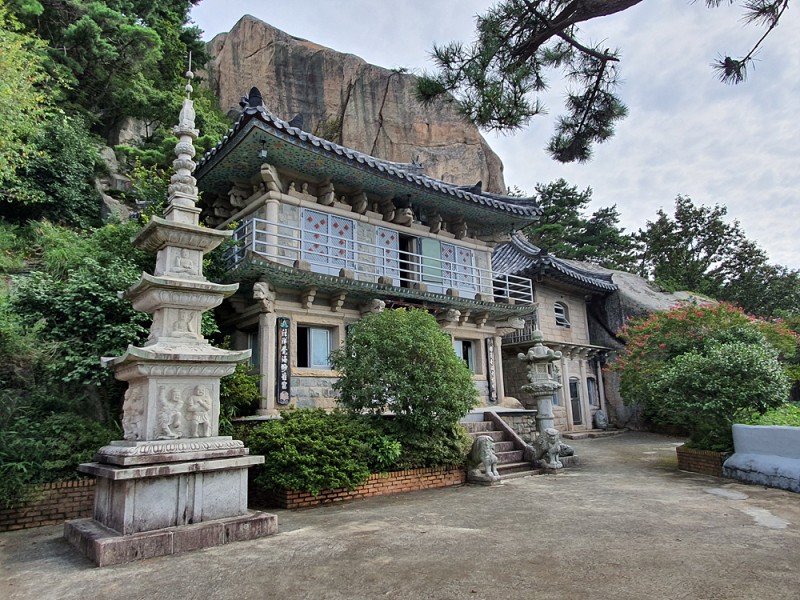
(520, 257)
(524, 210)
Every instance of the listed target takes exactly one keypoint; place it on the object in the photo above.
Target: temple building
(565, 293)
(324, 235)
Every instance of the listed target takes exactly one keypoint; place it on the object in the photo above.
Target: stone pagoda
(173, 484)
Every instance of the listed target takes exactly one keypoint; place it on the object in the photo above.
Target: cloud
(686, 132)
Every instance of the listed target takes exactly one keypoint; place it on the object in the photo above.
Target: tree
(399, 361)
(697, 249)
(495, 80)
(697, 367)
(22, 102)
(57, 183)
(116, 58)
(564, 230)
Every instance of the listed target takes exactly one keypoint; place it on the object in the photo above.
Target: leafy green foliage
(497, 80)
(698, 366)
(311, 450)
(239, 393)
(697, 249)
(42, 450)
(12, 248)
(72, 304)
(22, 106)
(564, 229)
(446, 448)
(116, 58)
(786, 415)
(399, 361)
(704, 391)
(59, 184)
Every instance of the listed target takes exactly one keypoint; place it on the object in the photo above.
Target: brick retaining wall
(706, 462)
(377, 485)
(51, 504)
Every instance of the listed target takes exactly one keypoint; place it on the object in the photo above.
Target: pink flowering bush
(697, 366)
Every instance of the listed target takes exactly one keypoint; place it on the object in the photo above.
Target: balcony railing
(328, 254)
(523, 335)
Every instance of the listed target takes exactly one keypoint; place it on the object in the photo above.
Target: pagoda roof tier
(160, 233)
(238, 157)
(253, 268)
(520, 257)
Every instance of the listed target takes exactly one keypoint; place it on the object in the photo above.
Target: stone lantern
(173, 484)
(542, 381)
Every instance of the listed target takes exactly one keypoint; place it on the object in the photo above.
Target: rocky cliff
(346, 100)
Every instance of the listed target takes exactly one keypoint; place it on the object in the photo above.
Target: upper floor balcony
(329, 243)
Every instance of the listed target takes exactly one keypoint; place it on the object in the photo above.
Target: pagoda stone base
(166, 503)
(105, 546)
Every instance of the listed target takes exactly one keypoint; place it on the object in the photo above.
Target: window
(465, 350)
(255, 349)
(562, 314)
(328, 241)
(447, 265)
(313, 347)
(594, 396)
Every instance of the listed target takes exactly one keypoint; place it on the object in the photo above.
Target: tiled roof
(520, 257)
(523, 209)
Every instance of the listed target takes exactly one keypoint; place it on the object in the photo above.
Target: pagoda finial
(189, 76)
(183, 187)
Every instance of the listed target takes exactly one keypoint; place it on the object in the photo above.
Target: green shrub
(400, 362)
(448, 448)
(698, 367)
(311, 450)
(704, 392)
(787, 415)
(34, 451)
(239, 393)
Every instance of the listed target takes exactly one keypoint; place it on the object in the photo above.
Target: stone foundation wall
(515, 373)
(379, 484)
(705, 462)
(524, 425)
(51, 504)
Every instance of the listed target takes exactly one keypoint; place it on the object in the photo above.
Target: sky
(686, 133)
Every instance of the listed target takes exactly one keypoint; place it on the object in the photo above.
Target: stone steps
(592, 434)
(509, 461)
(497, 436)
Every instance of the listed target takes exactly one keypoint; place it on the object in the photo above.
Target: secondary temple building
(564, 293)
(325, 234)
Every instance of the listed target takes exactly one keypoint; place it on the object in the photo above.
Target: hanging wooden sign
(283, 380)
(491, 374)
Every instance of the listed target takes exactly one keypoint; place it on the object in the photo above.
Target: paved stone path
(624, 525)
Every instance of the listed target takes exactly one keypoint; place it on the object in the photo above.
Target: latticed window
(562, 314)
(328, 241)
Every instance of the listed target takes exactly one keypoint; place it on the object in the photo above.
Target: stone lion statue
(548, 445)
(483, 454)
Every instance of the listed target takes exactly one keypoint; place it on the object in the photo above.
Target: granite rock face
(346, 100)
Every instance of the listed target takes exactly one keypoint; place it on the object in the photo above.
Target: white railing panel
(329, 254)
